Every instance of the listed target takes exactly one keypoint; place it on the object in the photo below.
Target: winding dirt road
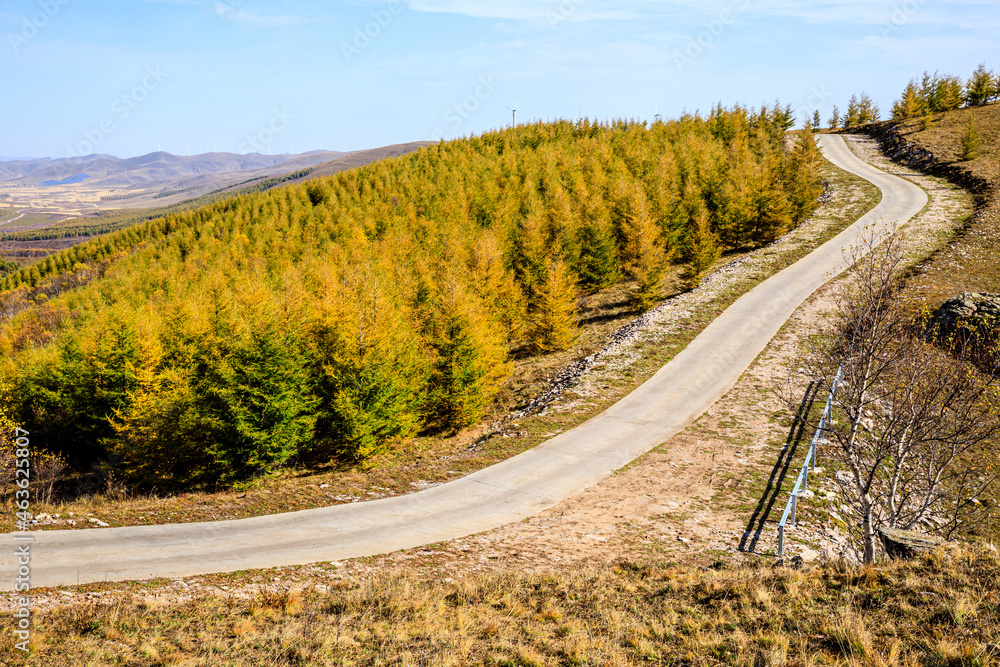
(507, 492)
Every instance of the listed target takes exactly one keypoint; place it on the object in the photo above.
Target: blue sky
(127, 76)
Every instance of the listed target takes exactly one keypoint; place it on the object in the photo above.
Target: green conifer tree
(834, 122)
(802, 179)
(644, 255)
(970, 140)
(495, 285)
(952, 93)
(69, 395)
(910, 103)
(852, 117)
(979, 88)
(597, 264)
(371, 367)
(155, 443)
(269, 405)
(701, 248)
(528, 250)
(471, 357)
(930, 92)
(868, 112)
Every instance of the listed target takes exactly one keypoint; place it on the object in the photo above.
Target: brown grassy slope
(361, 158)
(942, 610)
(970, 263)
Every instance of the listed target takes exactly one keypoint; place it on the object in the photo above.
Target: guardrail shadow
(795, 434)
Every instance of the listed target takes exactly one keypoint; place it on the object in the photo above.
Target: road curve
(506, 492)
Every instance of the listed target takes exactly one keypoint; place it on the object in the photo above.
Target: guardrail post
(802, 482)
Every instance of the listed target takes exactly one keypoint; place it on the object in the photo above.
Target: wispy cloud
(820, 12)
(875, 12)
(525, 10)
(254, 19)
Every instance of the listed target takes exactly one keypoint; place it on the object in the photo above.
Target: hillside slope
(157, 168)
(941, 610)
(511, 490)
(968, 264)
(332, 317)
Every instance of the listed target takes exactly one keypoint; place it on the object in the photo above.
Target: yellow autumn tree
(553, 316)
(643, 249)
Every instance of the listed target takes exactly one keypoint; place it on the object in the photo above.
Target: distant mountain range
(161, 170)
(162, 179)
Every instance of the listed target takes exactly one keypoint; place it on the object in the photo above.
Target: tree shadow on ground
(751, 536)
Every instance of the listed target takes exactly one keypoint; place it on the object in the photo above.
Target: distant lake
(68, 181)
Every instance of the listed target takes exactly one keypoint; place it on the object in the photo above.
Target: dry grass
(942, 610)
(942, 138)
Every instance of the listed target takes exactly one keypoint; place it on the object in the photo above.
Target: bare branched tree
(915, 427)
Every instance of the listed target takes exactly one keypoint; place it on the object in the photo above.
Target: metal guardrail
(802, 483)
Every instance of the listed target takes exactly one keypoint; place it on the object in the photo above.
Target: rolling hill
(330, 317)
(155, 170)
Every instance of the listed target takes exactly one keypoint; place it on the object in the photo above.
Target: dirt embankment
(968, 262)
(898, 147)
